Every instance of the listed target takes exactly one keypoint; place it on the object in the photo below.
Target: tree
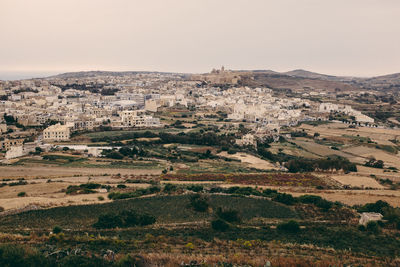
(57, 230)
(199, 203)
(229, 215)
(375, 163)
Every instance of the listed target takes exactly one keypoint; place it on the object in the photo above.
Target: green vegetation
(164, 208)
(290, 227)
(88, 188)
(137, 193)
(375, 163)
(309, 165)
(199, 203)
(126, 218)
(21, 194)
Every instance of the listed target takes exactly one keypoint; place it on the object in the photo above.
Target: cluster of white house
(78, 104)
(346, 109)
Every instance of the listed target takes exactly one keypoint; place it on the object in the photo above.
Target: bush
(21, 194)
(284, 198)
(316, 200)
(169, 188)
(228, 215)
(100, 198)
(219, 225)
(373, 227)
(290, 227)
(125, 218)
(199, 203)
(83, 261)
(114, 155)
(375, 163)
(12, 255)
(20, 182)
(195, 188)
(216, 190)
(380, 206)
(57, 230)
(232, 151)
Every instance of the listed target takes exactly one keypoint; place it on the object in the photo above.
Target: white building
(367, 217)
(133, 118)
(56, 132)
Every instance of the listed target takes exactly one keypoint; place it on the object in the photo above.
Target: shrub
(12, 255)
(284, 198)
(199, 203)
(291, 226)
(195, 188)
(373, 227)
(114, 155)
(269, 192)
(380, 206)
(228, 215)
(216, 190)
(169, 188)
(219, 225)
(375, 163)
(100, 198)
(57, 229)
(20, 182)
(125, 218)
(78, 260)
(121, 186)
(232, 151)
(316, 200)
(21, 194)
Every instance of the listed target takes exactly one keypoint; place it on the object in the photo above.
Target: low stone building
(367, 217)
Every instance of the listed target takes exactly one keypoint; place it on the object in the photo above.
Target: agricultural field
(193, 192)
(251, 161)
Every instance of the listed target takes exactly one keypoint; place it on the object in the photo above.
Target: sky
(338, 37)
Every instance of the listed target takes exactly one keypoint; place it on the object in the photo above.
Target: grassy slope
(167, 209)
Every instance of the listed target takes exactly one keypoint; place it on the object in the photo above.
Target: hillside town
(39, 112)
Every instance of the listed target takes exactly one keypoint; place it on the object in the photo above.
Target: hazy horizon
(24, 75)
(342, 38)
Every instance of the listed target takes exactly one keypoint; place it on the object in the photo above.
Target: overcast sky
(342, 37)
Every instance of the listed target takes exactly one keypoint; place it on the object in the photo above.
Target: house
(6, 144)
(247, 140)
(135, 118)
(367, 217)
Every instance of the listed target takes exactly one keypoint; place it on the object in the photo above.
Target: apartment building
(56, 132)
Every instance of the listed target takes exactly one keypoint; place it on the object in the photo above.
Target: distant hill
(303, 79)
(312, 75)
(298, 79)
(85, 74)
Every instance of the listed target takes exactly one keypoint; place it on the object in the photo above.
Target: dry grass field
(368, 152)
(357, 181)
(54, 172)
(250, 160)
(379, 135)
